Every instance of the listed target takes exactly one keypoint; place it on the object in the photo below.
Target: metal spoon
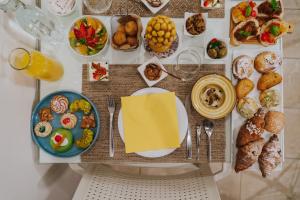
(209, 128)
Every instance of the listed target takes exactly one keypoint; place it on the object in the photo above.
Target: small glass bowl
(188, 64)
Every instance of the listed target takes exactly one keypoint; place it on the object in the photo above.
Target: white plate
(182, 122)
(142, 68)
(237, 120)
(155, 10)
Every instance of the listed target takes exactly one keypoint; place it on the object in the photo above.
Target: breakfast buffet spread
(66, 123)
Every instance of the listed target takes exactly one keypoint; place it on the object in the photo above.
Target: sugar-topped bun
(274, 122)
(267, 61)
(59, 104)
(242, 67)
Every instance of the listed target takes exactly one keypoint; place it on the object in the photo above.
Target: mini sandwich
(271, 9)
(272, 30)
(244, 31)
(243, 11)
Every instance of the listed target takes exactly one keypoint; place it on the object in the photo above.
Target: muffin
(119, 38)
(132, 41)
(131, 28)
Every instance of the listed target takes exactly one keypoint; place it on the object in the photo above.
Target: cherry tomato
(252, 4)
(206, 3)
(253, 14)
(265, 36)
(214, 40)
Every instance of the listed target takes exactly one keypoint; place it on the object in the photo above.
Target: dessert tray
(65, 124)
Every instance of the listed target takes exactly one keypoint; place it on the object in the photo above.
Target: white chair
(103, 183)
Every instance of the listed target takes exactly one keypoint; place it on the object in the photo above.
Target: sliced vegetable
(275, 5)
(248, 11)
(244, 33)
(275, 30)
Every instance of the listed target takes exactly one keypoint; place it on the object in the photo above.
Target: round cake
(59, 104)
(61, 140)
(68, 120)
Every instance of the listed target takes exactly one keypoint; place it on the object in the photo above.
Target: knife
(188, 136)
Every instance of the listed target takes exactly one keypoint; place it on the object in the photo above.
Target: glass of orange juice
(36, 64)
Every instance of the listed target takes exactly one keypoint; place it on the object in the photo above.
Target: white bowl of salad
(88, 36)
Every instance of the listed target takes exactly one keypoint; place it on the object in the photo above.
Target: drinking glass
(98, 6)
(36, 64)
(188, 64)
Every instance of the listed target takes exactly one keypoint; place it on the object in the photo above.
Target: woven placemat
(175, 8)
(124, 80)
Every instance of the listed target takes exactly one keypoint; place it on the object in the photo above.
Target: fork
(111, 109)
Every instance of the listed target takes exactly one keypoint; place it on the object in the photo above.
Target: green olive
(222, 53)
(212, 53)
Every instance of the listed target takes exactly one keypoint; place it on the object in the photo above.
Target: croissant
(270, 156)
(252, 129)
(248, 154)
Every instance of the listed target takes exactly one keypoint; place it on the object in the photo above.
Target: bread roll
(275, 122)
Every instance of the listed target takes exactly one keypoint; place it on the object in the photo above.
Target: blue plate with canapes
(65, 124)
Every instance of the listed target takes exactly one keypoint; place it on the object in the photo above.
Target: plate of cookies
(258, 120)
(65, 124)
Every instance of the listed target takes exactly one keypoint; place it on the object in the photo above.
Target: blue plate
(44, 143)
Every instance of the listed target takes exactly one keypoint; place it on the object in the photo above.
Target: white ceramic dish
(155, 10)
(63, 3)
(88, 56)
(208, 39)
(142, 68)
(182, 120)
(237, 120)
(186, 16)
(210, 8)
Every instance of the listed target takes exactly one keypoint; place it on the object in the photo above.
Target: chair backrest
(104, 183)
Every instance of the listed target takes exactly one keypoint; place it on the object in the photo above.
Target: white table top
(73, 64)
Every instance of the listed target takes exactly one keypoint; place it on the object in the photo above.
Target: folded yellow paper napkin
(150, 122)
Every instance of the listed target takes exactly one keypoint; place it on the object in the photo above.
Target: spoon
(209, 128)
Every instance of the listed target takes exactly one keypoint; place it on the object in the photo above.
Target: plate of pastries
(258, 23)
(258, 120)
(126, 32)
(65, 124)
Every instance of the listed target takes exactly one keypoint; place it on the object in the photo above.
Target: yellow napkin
(150, 122)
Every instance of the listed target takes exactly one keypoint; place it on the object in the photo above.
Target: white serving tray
(237, 120)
